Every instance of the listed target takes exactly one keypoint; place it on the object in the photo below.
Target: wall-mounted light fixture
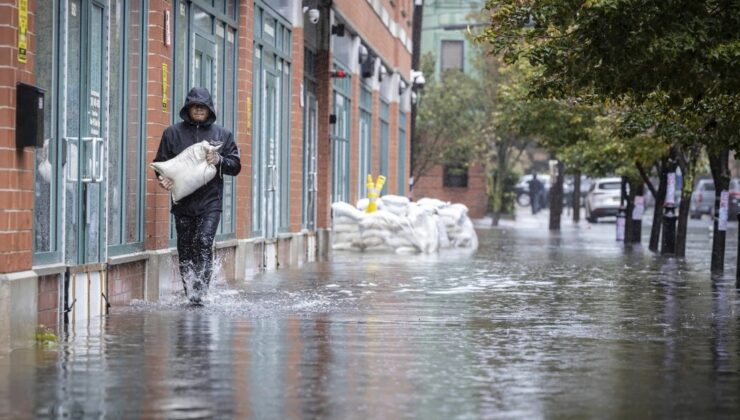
(367, 68)
(332, 118)
(337, 29)
(401, 86)
(382, 73)
(417, 79)
(363, 54)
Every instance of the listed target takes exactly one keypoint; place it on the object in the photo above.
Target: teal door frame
(310, 142)
(83, 124)
(271, 152)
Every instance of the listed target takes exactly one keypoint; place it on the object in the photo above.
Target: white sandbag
(432, 203)
(455, 212)
(422, 229)
(466, 237)
(443, 238)
(375, 233)
(346, 228)
(342, 209)
(350, 237)
(395, 200)
(343, 246)
(371, 241)
(407, 250)
(381, 219)
(396, 204)
(188, 171)
(399, 241)
(347, 221)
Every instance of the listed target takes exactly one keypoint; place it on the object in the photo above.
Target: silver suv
(702, 199)
(603, 198)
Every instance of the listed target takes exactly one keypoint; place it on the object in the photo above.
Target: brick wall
(48, 301)
(474, 196)
(393, 150)
(245, 115)
(157, 225)
(371, 28)
(296, 132)
(16, 165)
(323, 153)
(126, 283)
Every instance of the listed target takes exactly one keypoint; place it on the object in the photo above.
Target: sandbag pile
(402, 226)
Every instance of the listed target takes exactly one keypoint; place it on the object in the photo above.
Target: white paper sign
(670, 194)
(620, 228)
(639, 208)
(724, 200)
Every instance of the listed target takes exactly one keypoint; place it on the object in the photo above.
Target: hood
(198, 95)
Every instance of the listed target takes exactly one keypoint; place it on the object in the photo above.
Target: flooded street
(533, 325)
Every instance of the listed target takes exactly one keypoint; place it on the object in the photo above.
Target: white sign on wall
(724, 200)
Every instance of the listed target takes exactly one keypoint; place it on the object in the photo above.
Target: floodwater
(533, 325)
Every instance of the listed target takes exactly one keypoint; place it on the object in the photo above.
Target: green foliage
(45, 336)
(447, 110)
(676, 60)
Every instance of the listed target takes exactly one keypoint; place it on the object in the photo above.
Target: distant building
(444, 24)
(316, 92)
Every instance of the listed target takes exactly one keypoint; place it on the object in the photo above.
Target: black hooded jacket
(180, 136)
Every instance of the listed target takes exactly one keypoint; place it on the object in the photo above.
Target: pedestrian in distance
(197, 215)
(535, 193)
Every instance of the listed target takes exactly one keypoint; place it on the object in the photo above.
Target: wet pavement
(533, 325)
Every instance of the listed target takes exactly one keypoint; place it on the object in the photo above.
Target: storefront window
(45, 185)
(126, 135)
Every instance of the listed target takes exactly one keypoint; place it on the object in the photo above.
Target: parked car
(603, 198)
(522, 188)
(702, 199)
(734, 205)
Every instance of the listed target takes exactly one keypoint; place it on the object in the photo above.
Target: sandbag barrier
(401, 226)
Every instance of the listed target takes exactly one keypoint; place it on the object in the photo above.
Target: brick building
(444, 24)
(83, 222)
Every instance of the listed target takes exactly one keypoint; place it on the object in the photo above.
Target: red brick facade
(474, 195)
(48, 301)
(127, 277)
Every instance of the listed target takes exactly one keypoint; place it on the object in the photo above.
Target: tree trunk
(636, 230)
(718, 164)
(576, 200)
(556, 198)
(499, 179)
(683, 223)
(659, 198)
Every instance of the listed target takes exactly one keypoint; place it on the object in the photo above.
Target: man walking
(535, 193)
(197, 215)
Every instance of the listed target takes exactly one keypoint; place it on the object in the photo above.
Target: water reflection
(534, 325)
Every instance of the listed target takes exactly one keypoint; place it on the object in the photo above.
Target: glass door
(83, 126)
(271, 152)
(310, 133)
(204, 63)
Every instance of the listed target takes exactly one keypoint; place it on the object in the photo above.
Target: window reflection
(45, 183)
(124, 143)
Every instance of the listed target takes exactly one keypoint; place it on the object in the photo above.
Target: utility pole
(415, 63)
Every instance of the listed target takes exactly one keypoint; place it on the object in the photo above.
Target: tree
(680, 54)
(446, 111)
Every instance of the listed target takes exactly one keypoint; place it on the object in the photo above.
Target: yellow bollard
(373, 192)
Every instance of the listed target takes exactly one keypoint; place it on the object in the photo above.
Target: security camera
(313, 16)
(417, 79)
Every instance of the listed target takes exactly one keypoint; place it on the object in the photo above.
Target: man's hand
(165, 183)
(213, 157)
